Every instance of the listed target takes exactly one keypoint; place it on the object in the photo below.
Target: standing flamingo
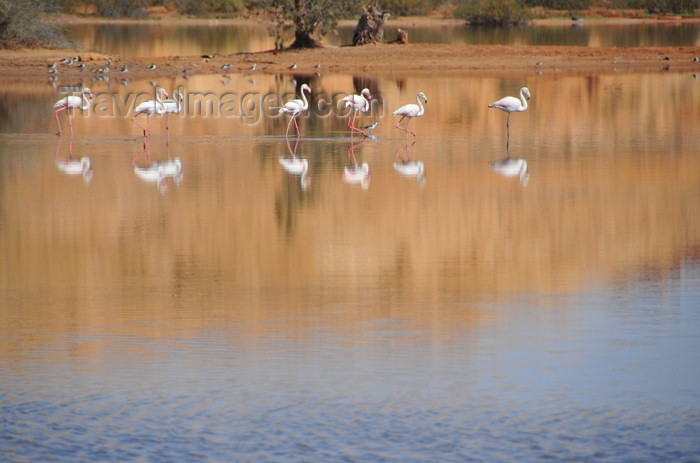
(149, 108)
(172, 106)
(510, 104)
(357, 103)
(70, 103)
(410, 111)
(296, 107)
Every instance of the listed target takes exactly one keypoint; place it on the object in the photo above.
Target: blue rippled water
(591, 384)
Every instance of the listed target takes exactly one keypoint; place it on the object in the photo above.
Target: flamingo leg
(70, 122)
(297, 126)
(148, 127)
(508, 133)
(409, 131)
(58, 121)
(351, 125)
(405, 129)
(133, 119)
(286, 134)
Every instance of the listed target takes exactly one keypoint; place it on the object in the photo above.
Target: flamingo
(410, 111)
(510, 104)
(172, 106)
(357, 103)
(71, 102)
(296, 107)
(149, 108)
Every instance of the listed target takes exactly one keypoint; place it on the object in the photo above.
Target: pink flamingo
(510, 104)
(296, 107)
(70, 103)
(149, 108)
(357, 103)
(410, 111)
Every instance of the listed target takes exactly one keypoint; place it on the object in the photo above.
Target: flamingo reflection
(512, 167)
(70, 166)
(158, 172)
(356, 174)
(408, 167)
(296, 166)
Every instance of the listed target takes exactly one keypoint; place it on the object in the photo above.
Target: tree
(369, 27)
(310, 19)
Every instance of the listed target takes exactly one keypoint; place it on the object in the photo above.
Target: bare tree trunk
(369, 27)
(303, 29)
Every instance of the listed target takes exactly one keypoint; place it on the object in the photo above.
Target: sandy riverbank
(16, 65)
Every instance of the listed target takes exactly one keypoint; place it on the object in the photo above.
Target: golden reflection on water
(612, 192)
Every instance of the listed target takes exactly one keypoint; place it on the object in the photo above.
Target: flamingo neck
(303, 97)
(523, 100)
(420, 106)
(86, 103)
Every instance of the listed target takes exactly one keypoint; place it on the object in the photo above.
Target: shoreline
(384, 58)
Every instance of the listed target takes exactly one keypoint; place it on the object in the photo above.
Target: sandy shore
(23, 65)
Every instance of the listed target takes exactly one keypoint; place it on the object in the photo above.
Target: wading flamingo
(410, 111)
(172, 106)
(149, 108)
(70, 103)
(510, 104)
(296, 107)
(357, 103)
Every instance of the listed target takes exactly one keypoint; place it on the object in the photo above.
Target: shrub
(671, 6)
(203, 7)
(492, 12)
(20, 26)
(120, 8)
(410, 7)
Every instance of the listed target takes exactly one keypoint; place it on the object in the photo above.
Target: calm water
(233, 311)
(172, 39)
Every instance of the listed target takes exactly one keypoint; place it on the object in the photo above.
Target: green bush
(492, 12)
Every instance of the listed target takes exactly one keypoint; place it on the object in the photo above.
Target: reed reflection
(408, 167)
(70, 166)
